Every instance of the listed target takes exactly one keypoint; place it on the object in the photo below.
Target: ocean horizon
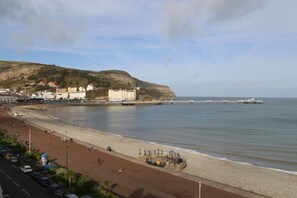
(260, 134)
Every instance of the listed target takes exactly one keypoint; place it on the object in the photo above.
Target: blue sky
(244, 48)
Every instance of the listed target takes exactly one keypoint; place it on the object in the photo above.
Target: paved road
(17, 184)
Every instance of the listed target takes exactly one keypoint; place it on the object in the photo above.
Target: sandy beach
(247, 177)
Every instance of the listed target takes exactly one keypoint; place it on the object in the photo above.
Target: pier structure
(246, 101)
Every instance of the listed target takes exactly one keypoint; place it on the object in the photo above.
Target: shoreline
(269, 182)
(192, 151)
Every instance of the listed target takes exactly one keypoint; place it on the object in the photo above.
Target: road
(18, 184)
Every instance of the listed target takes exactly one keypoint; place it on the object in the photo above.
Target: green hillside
(28, 77)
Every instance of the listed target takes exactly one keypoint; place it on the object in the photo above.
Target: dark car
(3, 152)
(43, 181)
(56, 190)
(35, 175)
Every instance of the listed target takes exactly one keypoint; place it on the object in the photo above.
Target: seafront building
(121, 95)
(73, 93)
(90, 87)
(72, 89)
(77, 95)
(7, 99)
(45, 95)
(61, 94)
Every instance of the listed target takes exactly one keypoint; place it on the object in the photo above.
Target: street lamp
(29, 146)
(67, 174)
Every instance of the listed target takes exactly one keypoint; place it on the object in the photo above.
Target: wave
(53, 117)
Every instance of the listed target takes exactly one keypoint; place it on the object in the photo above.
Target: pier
(154, 102)
(172, 102)
(246, 101)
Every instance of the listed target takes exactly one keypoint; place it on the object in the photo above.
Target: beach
(247, 177)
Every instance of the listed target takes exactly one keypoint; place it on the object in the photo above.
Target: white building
(4, 90)
(81, 89)
(61, 94)
(77, 95)
(72, 89)
(47, 95)
(121, 95)
(8, 99)
(74, 94)
(90, 87)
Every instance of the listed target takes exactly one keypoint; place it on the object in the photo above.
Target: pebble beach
(263, 181)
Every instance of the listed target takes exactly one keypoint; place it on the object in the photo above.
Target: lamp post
(199, 193)
(29, 141)
(67, 174)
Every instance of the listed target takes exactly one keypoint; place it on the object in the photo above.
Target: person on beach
(99, 160)
(109, 148)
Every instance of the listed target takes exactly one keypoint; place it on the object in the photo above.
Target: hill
(28, 77)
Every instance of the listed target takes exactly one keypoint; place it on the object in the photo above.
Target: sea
(260, 134)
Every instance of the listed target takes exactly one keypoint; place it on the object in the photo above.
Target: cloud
(187, 18)
(222, 10)
(9, 8)
(37, 20)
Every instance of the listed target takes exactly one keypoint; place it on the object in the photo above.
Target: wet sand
(140, 180)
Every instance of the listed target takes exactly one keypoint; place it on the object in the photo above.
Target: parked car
(35, 175)
(43, 181)
(4, 193)
(70, 196)
(14, 160)
(56, 190)
(8, 156)
(3, 152)
(26, 169)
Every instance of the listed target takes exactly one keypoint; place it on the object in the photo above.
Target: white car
(26, 169)
(70, 196)
(14, 160)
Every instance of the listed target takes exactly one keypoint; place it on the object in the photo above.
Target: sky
(225, 48)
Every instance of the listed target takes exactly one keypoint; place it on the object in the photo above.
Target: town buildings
(70, 93)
